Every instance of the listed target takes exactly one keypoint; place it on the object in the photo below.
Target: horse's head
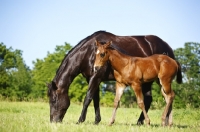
(102, 55)
(57, 102)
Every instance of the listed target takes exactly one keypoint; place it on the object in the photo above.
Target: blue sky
(37, 26)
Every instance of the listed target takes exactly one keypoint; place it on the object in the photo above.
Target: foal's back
(156, 66)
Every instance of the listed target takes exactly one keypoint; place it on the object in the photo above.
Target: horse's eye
(54, 98)
(102, 54)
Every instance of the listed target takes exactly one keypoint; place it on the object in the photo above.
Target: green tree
(21, 78)
(7, 63)
(78, 89)
(44, 70)
(15, 80)
(187, 94)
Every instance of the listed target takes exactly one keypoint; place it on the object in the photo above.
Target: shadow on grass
(87, 123)
(178, 126)
(135, 125)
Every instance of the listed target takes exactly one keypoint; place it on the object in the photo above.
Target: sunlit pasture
(34, 117)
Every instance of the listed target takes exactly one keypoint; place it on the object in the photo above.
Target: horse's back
(137, 46)
(140, 46)
(160, 58)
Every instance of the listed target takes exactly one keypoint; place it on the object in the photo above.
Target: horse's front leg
(96, 100)
(93, 91)
(119, 91)
(146, 90)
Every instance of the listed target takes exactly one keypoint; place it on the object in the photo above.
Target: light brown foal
(134, 71)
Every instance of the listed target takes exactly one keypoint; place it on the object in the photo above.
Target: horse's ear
(52, 85)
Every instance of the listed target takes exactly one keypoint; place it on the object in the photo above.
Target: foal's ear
(108, 44)
(96, 42)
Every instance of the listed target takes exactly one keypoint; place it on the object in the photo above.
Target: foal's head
(102, 55)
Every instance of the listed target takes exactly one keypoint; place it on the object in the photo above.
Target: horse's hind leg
(138, 92)
(119, 91)
(168, 94)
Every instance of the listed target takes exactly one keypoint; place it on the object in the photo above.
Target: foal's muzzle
(96, 68)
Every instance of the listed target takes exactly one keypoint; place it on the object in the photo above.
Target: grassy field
(34, 117)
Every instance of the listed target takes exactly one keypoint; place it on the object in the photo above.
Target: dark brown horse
(133, 71)
(81, 59)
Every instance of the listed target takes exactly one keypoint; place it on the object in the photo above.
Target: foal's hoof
(148, 123)
(110, 124)
(164, 124)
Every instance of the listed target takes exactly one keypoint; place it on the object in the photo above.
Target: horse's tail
(179, 75)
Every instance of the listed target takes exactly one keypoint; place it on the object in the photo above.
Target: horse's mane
(119, 49)
(72, 52)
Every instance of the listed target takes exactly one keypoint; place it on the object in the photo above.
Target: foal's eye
(102, 54)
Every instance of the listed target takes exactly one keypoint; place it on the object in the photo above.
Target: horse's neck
(118, 60)
(61, 73)
(70, 65)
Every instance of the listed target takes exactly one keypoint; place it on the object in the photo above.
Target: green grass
(34, 117)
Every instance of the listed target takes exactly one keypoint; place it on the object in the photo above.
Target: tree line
(20, 83)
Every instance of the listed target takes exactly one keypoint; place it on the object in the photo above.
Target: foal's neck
(118, 60)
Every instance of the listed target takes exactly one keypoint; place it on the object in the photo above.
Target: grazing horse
(134, 71)
(81, 58)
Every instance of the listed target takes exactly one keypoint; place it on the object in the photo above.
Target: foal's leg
(138, 92)
(168, 94)
(119, 91)
(146, 90)
(168, 118)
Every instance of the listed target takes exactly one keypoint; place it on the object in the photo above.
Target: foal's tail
(179, 75)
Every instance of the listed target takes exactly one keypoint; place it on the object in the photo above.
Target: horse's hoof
(139, 123)
(77, 123)
(96, 123)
